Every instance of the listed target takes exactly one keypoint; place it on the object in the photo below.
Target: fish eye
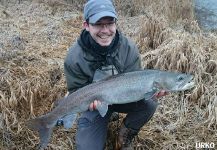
(180, 78)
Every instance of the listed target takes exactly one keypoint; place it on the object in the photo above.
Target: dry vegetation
(35, 36)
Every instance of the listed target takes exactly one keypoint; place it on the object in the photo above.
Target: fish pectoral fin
(155, 89)
(149, 95)
(102, 108)
(69, 120)
(157, 86)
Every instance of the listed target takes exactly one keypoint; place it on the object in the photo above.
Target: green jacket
(80, 65)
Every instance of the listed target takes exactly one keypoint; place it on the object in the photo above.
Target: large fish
(118, 89)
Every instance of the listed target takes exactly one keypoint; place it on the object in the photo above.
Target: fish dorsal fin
(104, 73)
(112, 77)
(100, 75)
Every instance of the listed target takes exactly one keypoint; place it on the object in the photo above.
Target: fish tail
(41, 125)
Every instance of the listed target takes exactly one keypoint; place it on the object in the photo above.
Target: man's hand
(161, 93)
(93, 105)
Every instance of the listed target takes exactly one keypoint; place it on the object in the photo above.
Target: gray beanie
(96, 9)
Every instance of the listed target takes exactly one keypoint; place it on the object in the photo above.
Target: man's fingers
(161, 93)
(93, 105)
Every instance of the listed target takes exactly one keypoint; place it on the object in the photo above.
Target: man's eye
(111, 23)
(102, 24)
(97, 24)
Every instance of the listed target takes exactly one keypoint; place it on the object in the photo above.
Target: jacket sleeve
(75, 79)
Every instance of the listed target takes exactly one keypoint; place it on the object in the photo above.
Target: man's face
(103, 31)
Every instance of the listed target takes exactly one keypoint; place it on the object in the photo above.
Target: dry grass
(172, 10)
(35, 37)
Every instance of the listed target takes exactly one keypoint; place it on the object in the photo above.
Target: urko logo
(205, 145)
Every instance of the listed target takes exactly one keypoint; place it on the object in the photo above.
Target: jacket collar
(93, 51)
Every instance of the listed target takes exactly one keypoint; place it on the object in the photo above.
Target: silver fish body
(118, 89)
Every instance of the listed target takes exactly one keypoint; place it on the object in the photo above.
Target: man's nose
(105, 28)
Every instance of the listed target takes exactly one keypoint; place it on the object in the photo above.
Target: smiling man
(102, 51)
(103, 31)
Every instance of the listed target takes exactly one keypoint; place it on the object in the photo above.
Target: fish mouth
(187, 84)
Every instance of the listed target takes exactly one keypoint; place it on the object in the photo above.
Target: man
(100, 51)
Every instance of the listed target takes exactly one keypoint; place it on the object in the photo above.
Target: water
(206, 13)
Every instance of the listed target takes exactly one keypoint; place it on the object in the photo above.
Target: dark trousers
(92, 128)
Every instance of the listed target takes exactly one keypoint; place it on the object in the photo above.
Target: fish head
(172, 81)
